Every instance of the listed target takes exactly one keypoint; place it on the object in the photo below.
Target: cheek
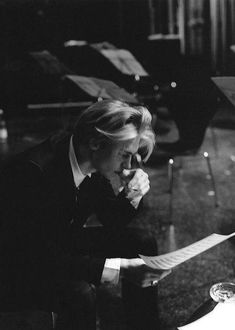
(105, 161)
(111, 162)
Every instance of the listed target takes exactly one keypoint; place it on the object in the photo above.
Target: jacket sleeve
(114, 211)
(33, 245)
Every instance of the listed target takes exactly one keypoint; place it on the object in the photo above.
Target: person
(48, 259)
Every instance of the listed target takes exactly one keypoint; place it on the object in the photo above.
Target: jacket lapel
(78, 200)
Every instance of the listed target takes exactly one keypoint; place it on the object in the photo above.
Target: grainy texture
(193, 216)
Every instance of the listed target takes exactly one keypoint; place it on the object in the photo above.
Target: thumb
(126, 172)
(165, 273)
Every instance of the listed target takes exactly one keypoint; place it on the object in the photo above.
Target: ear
(94, 144)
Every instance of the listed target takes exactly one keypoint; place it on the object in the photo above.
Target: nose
(127, 163)
(136, 161)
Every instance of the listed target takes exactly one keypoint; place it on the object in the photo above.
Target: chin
(107, 175)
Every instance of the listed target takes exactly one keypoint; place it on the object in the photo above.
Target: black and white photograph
(117, 164)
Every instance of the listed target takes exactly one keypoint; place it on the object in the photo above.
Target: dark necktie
(81, 198)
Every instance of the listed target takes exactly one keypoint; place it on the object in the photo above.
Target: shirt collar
(78, 176)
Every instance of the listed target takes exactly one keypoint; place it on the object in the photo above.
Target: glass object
(223, 292)
(3, 127)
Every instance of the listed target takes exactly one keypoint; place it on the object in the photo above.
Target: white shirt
(112, 266)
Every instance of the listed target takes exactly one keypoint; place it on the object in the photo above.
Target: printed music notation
(124, 61)
(173, 259)
(105, 89)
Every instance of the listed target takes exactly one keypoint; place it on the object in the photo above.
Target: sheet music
(102, 88)
(114, 91)
(173, 259)
(222, 317)
(227, 86)
(89, 86)
(124, 61)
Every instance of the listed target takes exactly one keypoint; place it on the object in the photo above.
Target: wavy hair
(113, 121)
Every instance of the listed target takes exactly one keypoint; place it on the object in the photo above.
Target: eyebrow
(129, 153)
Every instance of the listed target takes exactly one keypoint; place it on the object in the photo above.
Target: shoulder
(20, 172)
(23, 166)
(41, 157)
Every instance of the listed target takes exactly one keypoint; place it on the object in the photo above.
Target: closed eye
(127, 156)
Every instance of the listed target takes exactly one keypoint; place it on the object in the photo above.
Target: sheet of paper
(222, 317)
(88, 85)
(124, 61)
(102, 88)
(173, 259)
(227, 87)
(114, 91)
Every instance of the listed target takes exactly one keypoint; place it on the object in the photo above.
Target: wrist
(124, 263)
(128, 265)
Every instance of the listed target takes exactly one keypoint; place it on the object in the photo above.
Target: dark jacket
(40, 219)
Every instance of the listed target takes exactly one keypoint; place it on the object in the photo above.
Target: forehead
(130, 146)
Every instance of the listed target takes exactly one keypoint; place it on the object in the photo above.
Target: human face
(112, 159)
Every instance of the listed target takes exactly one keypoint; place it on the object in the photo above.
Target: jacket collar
(78, 176)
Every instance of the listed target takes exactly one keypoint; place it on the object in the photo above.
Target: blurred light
(71, 43)
(137, 77)
(100, 99)
(211, 193)
(156, 88)
(205, 154)
(232, 47)
(171, 161)
(173, 84)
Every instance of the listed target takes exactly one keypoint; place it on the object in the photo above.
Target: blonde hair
(114, 121)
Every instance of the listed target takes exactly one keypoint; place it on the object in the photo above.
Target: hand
(136, 271)
(136, 182)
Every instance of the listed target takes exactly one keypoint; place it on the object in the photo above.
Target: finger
(145, 190)
(141, 284)
(147, 283)
(139, 185)
(139, 176)
(128, 172)
(165, 273)
(126, 175)
(137, 191)
(139, 182)
(154, 283)
(131, 193)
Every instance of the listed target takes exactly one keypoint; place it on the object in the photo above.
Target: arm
(35, 239)
(135, 184)
(118, 211)
(136, 271)
(132, 193)
(112, 210)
